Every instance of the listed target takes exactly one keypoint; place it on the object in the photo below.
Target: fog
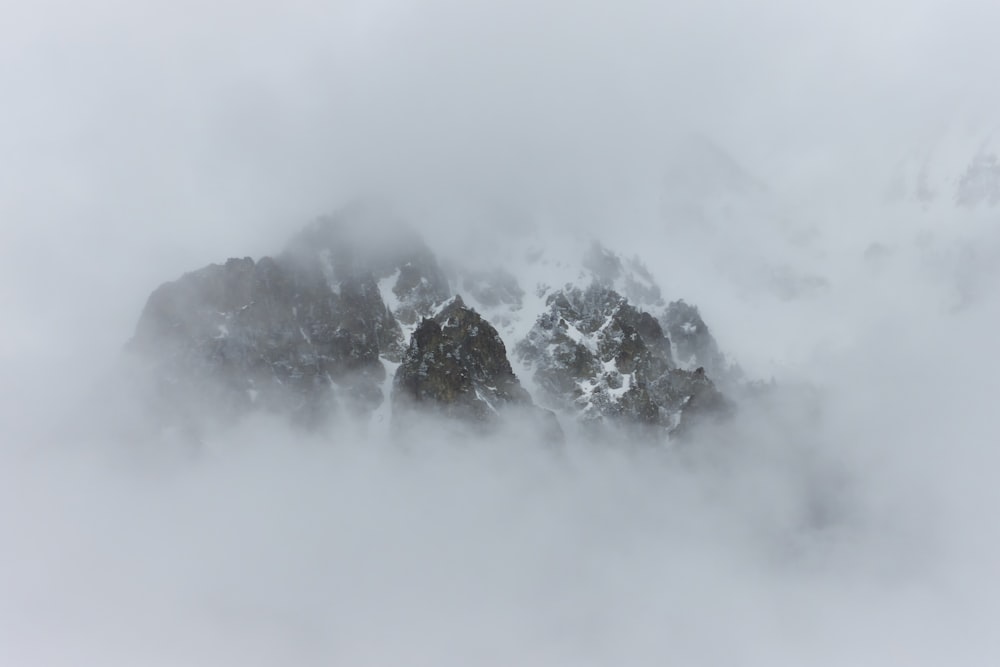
(849, 519)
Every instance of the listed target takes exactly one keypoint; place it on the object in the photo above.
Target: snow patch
(579, 337)
(486, 400)
(382, 415)
(389, 297)
(616, 394)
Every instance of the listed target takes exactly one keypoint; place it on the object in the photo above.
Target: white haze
(851, 521)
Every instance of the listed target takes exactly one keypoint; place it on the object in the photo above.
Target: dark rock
(298, 334)
(273, 336)
(597, 356)
(693, 342)
(604, 264)
(365, 240)
(702, 402)
(629, 278)
(307, 334)
(457, 366)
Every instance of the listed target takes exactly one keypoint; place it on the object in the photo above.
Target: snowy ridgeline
(348, 324)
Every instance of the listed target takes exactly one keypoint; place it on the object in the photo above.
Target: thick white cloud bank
(849, 521)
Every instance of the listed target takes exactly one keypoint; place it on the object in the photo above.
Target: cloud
(846, 519)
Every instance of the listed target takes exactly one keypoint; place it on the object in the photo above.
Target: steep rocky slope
(596, 355)
(457, 366)
(268, 335)
(358, 309)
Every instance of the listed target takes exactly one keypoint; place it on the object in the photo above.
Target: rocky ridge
(600, 358)
(356, 320)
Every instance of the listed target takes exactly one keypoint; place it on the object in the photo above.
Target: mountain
(357, 321)
(596, 355)
(457, 366)
(959, 167)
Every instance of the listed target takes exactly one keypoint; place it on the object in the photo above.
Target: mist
(846, 518)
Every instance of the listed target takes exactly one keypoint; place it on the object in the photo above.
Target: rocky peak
(310, 332)
(273, 335)
(358, 241)
(458, 362)
(693, 343)
(457, 366)
(595, 354)
(628, 277)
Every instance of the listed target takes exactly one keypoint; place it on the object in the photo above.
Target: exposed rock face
(458, 361)
(595, 354)
(300, 334)
(629, 278)
(494, 288)
(363, 242)
(457, 366)
(490, 290)
(309, 333)
(271, 335)
(693, 343)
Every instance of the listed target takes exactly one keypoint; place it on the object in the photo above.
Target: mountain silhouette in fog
(357, 320)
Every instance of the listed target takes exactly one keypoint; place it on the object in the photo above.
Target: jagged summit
(596, 355)
(628, 277)
(360, 241)
(357, 319)
(456, 362)
(693, 344)
(271, 335)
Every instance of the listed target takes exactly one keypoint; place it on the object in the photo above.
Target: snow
(389, 297)
(382, 415)
(393, 303)
(616, 394)
(578, 336)
(674, 356)
(607, 321)
(326, 266)
(587, 388)
(486, 400)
